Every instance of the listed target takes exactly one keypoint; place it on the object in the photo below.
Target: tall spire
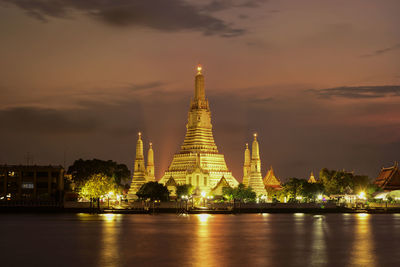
(255, 150)
(199, 148)
(139, 170)
(139, 147)
(139, 161)
(199, 93)
(247, 155)
(255, 180)
(150, 162)
(246, 165)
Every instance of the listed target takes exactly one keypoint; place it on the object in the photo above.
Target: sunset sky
(319, 81)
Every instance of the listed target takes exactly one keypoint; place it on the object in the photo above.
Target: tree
(310, 191)
(153, 191)
(293, 188)
(81, 170)
(184, 190)
(241, 193)
(342, 182)
(97, 186)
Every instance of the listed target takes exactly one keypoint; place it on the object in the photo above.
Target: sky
(319, 81)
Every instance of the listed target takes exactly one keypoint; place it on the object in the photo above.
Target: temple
(198, 162)
(141, 173)
(389, 178)
(271, 181)
(252, 169)
(312, 179)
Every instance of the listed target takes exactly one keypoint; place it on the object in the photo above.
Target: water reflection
(109, 251)
(318, 248)
(363, 248)
(202, 250)
(203, 218)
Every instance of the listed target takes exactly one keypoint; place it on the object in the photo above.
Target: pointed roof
(217, 190)
(271, 180)
(222, 182)
(171, 182)
(312, 179)
(389, 178)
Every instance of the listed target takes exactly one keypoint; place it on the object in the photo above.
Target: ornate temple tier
(199, 163)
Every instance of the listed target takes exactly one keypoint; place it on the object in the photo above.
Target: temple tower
(255, 179)
(141, 174)
(199, 163)
(252, 168)
(246, 166)
(150, 163)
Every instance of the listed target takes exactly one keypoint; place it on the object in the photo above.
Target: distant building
(18, 182)
(312, 179)
(141, 173)
(389, 178)
(252, 176)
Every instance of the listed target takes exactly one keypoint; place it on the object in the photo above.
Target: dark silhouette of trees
(153, 191)
(81, 170)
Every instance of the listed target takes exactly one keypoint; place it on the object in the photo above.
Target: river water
(199, 240)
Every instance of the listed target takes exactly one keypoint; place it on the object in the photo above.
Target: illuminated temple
(141, 173)
(199, 163)
(252, 176)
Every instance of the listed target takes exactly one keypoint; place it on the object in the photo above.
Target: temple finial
(255, 136)
(139, 135)
(199, 69)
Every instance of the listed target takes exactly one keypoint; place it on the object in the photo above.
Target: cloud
(169, 16)
(219, 5)
(45, 121)
(380, 52)
(359, 92)
(150, 85)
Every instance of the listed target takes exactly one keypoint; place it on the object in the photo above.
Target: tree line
(96, 178)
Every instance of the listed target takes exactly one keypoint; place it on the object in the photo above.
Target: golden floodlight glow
(199, 69)
(203, 218)
(255, 135)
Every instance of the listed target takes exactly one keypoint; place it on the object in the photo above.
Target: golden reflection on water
(203, 218)
(203, 250)
(363, 248)
(109, 251)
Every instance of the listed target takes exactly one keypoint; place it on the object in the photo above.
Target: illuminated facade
(199, 163)
(389, 178)
(271, 181)
(141, 173)
(252, 169)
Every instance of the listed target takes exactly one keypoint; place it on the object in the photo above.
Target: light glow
(361, 195)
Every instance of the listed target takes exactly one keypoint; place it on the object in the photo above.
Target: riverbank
(158, 210)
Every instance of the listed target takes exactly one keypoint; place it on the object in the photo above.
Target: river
(200, 240)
